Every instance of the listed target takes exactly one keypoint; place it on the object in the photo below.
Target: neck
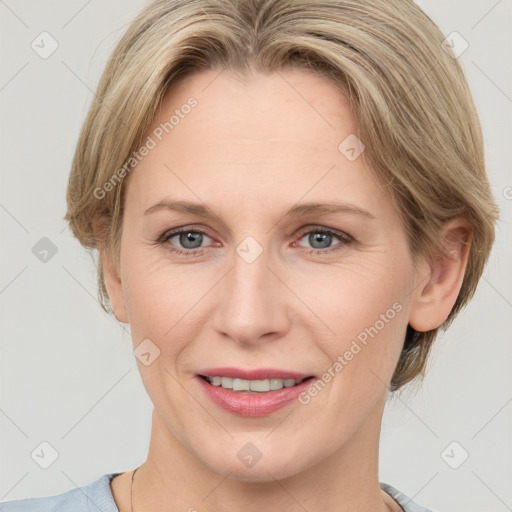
(174, 478)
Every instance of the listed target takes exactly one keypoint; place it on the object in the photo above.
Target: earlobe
(110, 272)
(438, 292)
(113, 285)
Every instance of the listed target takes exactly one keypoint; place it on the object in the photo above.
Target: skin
(250, 150)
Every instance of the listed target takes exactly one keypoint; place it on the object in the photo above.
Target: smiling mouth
(252, 386)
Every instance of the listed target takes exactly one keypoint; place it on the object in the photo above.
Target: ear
(437, 294)
(110, 272)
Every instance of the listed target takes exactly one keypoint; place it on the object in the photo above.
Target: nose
(253, 304)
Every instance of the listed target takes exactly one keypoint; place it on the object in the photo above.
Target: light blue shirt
(97, 497)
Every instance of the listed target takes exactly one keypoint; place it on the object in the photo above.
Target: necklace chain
(131, 490)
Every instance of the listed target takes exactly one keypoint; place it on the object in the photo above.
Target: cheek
(362, 312)
(163, 300)
(351, 296)
(163, 304)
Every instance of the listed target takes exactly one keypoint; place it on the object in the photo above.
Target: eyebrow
(295, 211)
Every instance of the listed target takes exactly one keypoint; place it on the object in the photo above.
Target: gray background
(68, 375)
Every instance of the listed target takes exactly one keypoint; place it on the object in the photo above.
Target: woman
(289, 200)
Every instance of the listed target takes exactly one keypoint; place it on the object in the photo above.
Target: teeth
(276, 384)
(241, 385)
(226, 382)
(216, 381)
(259, 386)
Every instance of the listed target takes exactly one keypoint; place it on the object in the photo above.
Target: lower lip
(253, 404)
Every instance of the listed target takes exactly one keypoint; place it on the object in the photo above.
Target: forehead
(289, 103)
(266, 136)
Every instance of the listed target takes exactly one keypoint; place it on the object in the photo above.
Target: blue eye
(321, 240)
(188, 239)
(189, 242)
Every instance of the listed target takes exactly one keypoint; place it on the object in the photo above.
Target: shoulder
(92, 497)
(404, 501)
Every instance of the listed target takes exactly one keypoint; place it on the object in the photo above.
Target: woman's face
(262, 281)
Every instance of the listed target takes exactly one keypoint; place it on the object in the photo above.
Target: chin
(262, 472)
(258, 461)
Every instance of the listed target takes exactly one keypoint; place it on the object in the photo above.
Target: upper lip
(256, 374)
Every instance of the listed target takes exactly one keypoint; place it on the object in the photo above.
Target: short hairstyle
(408, 94)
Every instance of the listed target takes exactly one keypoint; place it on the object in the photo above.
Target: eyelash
(345, 239)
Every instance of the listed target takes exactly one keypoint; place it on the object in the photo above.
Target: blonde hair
(413, 107)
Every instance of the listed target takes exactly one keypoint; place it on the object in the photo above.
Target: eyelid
(166, 235)
(345, 240)
(303, 231)
(344, 237)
